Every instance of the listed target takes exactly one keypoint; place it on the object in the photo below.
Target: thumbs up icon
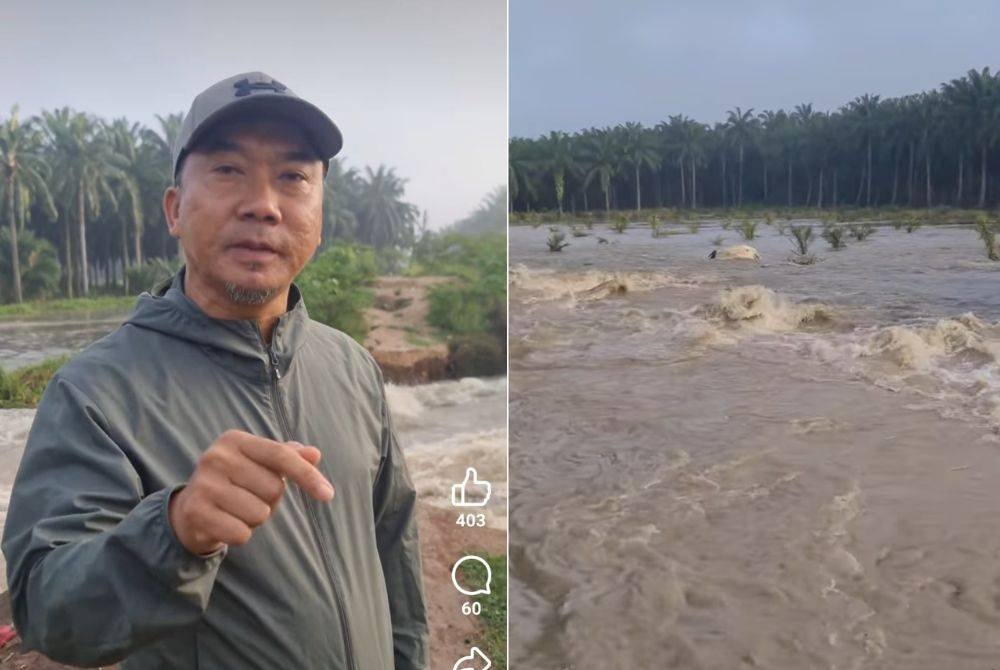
(472, 492)
(470, 662)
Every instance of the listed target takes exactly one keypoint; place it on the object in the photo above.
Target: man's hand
(236, 485)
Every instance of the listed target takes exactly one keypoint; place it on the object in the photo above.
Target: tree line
(80, 202)
(927, 149)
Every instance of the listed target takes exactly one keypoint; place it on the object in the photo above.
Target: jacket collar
(236, 343)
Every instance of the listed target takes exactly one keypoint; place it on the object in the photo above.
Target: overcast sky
(416, 84)
(581, 63)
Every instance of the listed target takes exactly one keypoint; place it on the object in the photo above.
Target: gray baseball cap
(255, 92)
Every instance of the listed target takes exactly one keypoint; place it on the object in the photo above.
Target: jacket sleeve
(94, 568)
(399, 550)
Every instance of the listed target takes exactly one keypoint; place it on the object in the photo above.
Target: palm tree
(865, 113)
(790, 132)
(691, 146)
(892, 151)
(520, 169)
(976, 98)
(126, 140)
(640, 149)
(558, 161)
(768, 141)
(23, 169)
(602, 159)
(722, 140)
(741, 127)
(384, 219)
(87, 166)
(341, 193)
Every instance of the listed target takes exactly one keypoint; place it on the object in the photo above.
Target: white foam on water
(408, 404)
(571, 288)
(436, 466)
(759, 309)
(953, 361)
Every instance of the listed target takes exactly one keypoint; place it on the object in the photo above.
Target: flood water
(725, 464)
(28, 341)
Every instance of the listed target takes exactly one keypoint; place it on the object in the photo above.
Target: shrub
(654, 225)
(334, 287)
(23, 387)
(835, 236)
(475, 355)
(861, 231)
(802, 236)
(987, 234)
(38, 264)
(478, 303)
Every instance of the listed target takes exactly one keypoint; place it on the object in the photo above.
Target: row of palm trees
(92, 189)
(924, 149)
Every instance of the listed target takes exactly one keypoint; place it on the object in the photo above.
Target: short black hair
(213, 137)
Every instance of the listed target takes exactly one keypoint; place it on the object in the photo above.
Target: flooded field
(726, 464)
(28, 341)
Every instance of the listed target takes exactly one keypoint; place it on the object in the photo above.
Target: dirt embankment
(405, 346)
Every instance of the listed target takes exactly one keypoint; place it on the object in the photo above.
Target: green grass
(422, 339)
(494, 616)
(67, 305)
(23, 387)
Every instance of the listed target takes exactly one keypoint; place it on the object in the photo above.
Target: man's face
(248, 210)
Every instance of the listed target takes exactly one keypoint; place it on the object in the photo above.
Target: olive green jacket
(95, 571)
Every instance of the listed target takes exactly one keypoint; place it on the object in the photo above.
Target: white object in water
(736, 252)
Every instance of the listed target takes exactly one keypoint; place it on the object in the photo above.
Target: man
(167, 510)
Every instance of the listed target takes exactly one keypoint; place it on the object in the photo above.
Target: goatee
(242, 295)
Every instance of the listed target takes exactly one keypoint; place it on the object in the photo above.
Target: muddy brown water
(725, 464)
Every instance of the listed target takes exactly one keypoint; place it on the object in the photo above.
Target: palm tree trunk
(694, 185)
(82, 227)
(19, 209)
(638, 190)
(683, 188)
(789, 182)
(868, 194)
(809, 191)
(15, 264)
(927, 162)
(137, 256)
(982, 176)
(833, 200)
(607, 200)
(723, 178)
(895, 179)
(765, 182)
(961, 169)
(560, 187)
(68, 256)
(819, 195)
(861, 185)
(909, 195)
(739, 197)
(125, 262)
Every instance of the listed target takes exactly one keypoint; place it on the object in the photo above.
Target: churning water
(726, 464)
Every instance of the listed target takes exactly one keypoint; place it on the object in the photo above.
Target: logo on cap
(245, 87)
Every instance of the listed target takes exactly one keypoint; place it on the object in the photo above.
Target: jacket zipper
(274, 378)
